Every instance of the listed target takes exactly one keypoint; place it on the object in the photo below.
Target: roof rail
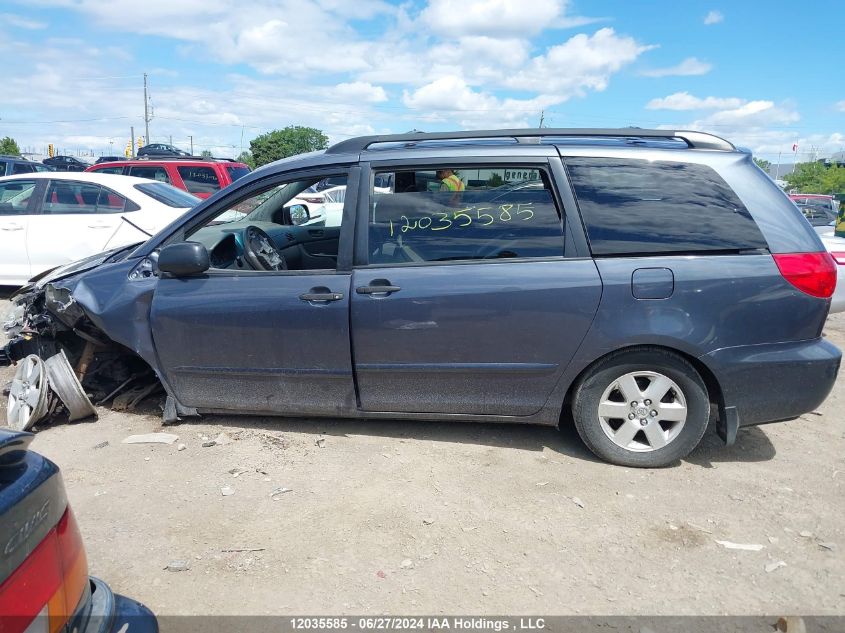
(694, 140)
(161, 157)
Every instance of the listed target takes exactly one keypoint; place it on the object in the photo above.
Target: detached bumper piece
(107, 612)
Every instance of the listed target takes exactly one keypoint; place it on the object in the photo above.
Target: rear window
(167, 194)
(22, 168)
(634, 207)
(236, 172)
(199, 179)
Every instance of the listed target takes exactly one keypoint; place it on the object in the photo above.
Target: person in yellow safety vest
(449, 181)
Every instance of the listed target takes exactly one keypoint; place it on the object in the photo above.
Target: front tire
(645, 408)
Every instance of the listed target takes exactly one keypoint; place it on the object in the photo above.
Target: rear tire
(645, 408)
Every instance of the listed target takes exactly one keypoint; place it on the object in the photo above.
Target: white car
(52, 218)
(836, 247)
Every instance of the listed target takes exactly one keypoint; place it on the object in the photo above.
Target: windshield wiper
(132, 224)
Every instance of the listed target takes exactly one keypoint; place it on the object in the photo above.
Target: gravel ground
(414, 518)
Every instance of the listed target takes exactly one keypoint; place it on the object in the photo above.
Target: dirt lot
(386, 517)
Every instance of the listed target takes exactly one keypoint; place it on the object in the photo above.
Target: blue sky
(764, 75)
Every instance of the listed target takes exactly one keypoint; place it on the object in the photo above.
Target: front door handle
(321, 294)
(377, 287)
(11, 227)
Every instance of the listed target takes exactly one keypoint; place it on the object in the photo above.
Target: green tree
(762, 163)
(290, 141)
(9, 147)
(206, 153)
(246, 158)
(815, 177)
(495, 181)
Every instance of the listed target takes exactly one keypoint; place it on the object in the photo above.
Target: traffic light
(140, 142)
(128, 151)
(51, 151)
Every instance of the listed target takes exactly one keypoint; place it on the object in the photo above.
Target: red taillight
(50, 582)
(839, 257)
(812, 273)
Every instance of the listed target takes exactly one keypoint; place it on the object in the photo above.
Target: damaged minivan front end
(90, 329)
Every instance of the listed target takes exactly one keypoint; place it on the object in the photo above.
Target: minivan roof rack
(694, 140)
(160, 157)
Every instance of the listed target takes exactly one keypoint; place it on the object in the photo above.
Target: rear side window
(199, 179)
(110, 170)
(635, 207)
(150, 172)
(67, 197)
(438, 215)
(236, 172)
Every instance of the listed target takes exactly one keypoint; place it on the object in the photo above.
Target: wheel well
(714, 389)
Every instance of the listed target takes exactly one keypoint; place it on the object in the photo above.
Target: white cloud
(753, 114)
(491, 17)
(841, 106)
(20, 22)
(713, 17)
(686, 101)
(358, 91)
(581, 62)
(450, 96)
(690, 66)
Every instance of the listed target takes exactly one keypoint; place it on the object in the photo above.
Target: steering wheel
(260, 252)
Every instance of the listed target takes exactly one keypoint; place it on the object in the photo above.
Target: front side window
(281, 227)
(150, 172)
(462, 213)
(111, 170)
(15, 196)
(68, 197)
(635, 207)
(168, 194)
(199, 179)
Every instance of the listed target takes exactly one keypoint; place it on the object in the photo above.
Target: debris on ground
(746, 547)
(279, 491)
(101, 445)
(243, 549)
(805, 534)
(208, 443)
(151, 438)
(227, 491)
(774, 566)
(406, 564)
(181, 447)
(577, 502)
(428, 521)
(222, 439)
(791, 624)
(321, 442)
(827, 546)
(699, 528)
(237, 471)
(177, 565)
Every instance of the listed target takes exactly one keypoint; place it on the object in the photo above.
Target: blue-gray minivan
(637, 283)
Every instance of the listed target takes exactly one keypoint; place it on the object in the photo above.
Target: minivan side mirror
(298, 214)
(183, 259)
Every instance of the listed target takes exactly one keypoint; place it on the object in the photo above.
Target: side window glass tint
(110, 202)
(22, 168)
(633, 207)
(199, 179)
(463, 213)
(67, 197)
(15, 196)
(149, 172)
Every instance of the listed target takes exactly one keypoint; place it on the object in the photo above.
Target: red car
(199, 176)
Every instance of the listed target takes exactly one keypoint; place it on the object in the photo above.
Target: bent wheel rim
(642, 411)
(27, 402)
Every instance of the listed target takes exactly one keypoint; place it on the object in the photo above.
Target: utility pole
(132, 140)
(191, 136)
(146, 111)
(542, 117)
